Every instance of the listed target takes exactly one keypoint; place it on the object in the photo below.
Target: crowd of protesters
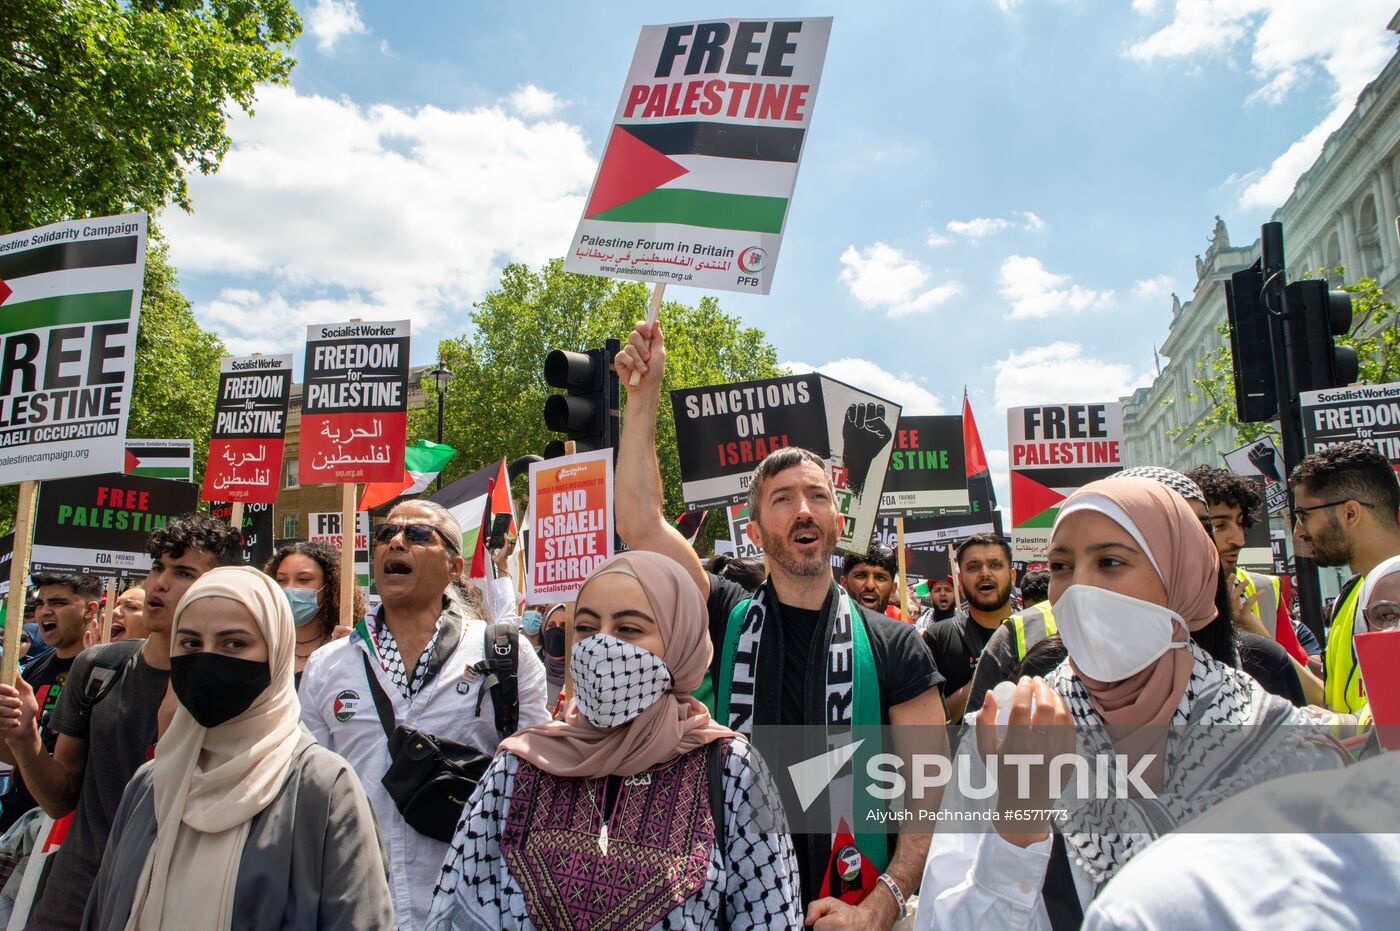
(237, 756)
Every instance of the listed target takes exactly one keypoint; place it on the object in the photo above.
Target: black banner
(928, 471)
(257, 530)
(99, 523)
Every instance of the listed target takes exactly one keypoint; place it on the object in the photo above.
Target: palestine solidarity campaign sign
(1055, 448)
(71, 296)
(250, 426)
(723, 432)
(699, 169)
(354, 406)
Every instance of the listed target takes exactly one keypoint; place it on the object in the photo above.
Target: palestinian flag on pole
(474, 500)
(690, 524)
(979, 475)
(161, 459)
(422, 463)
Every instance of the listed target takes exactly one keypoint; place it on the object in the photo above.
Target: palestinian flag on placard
(979, 475)
(474, 500)
(690, 524)
(161, 459)
(715, 175)
(422, 463)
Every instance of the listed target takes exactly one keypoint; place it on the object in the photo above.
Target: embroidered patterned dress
(528, 852)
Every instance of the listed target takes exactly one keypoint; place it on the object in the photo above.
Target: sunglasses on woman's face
(415, 534)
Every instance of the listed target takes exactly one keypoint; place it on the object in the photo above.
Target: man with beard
(1345, 502)
(799, 651)
(984, 563)
(869, 579)
(942, 603)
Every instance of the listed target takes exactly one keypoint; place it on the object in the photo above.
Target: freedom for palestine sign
(698, 173)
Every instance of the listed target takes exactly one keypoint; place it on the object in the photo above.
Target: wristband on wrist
(893, 886)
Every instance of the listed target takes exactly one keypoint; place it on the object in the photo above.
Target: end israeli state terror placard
(697, 178)
(1367, 414)
(354, 403)
(928, 472)
(724, 431)
(250, 428)
(571, 523)
(98, 524)
(70, 299)
(1056, 448)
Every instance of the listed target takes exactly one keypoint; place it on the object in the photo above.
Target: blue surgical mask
(531, 621)
(304, 603)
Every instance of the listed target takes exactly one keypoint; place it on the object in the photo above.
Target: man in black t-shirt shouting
(65, 605)
(794, 652)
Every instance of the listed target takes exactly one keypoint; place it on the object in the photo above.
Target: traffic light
(1316, 316)
(587, 412)
(1256, 397)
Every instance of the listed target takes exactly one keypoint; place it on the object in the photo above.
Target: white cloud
(1288, 41)
(331, 20)
(1007, 6)
(1061, 373)
(1157, 286)
(938, 239)
(532, 101)
(904, 389)
(330, 210)
(880, 276)
(1035, 292)
(982, 227)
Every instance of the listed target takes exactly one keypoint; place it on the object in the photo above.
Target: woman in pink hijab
(635, 810)
(1132, 576)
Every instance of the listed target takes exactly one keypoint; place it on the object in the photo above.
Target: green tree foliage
(1375, 335)
(495, 403)
(106, 104)
(177, 371)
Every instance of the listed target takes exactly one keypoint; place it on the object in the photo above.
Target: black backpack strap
(500, 665)
(715, 774)
(108, 665)
(381, 701)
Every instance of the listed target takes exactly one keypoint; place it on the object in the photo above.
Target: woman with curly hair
(309, 574)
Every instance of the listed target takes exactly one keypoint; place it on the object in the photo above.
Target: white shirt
(338, 708)
(1297, 855)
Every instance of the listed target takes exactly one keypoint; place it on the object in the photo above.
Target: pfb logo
(752, 260)
(345, 705)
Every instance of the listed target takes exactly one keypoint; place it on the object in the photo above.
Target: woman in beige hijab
(241, 821)
(1132, 576)
(635, 810)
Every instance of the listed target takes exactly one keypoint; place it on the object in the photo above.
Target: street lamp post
(440, 376)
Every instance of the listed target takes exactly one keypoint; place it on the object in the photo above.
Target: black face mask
(552, 639)
(215, 688)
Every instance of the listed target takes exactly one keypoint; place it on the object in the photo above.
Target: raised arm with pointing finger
(641, 523)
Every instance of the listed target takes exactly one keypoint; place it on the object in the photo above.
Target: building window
(289, 474)
(289, 526)
(1368, 239)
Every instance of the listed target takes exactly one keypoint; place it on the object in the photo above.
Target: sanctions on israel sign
(723, 432)
(1055, 448)
(99, 523)
(1367, 414)
(250, 426)
(354, 405)
(699, 170)
(571, 523)
(70, 297)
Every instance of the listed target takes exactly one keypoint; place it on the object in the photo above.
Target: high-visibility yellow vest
(1032, 625)
(1343, 686)
(1266, 608)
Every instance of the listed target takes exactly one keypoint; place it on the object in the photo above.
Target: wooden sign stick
(19, 578)
(658, 292)
(903, 570)
(110, 605)
(235, 517)
(348, 527)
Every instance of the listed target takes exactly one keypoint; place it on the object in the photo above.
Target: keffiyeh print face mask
(615, 681)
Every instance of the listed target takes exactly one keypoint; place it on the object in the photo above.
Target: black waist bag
(430, 778)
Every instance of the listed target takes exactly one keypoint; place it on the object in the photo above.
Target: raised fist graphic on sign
(865, 433)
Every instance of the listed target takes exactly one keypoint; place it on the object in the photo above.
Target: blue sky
(995, 193)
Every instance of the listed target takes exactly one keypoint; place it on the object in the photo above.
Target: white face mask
(1111, 636)
(614, 681)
